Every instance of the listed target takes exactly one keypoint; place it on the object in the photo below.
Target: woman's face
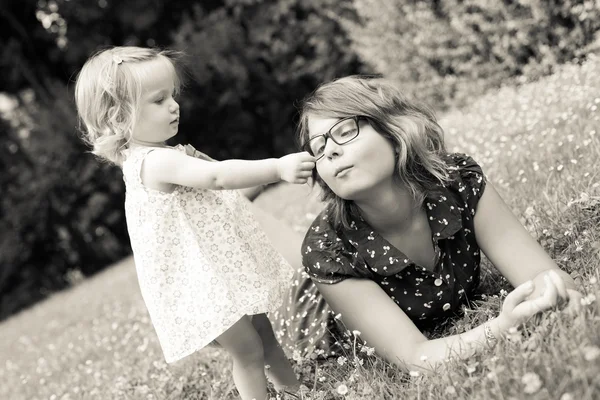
(354, 170)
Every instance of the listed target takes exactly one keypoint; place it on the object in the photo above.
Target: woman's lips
(342, 171)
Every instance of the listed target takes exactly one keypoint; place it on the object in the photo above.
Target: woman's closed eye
(347, 133)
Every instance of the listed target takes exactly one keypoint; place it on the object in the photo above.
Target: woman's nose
(332, 149)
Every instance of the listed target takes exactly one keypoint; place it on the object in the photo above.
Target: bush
(447, 51)
(61, 209)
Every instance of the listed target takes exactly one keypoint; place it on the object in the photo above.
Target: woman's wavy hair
(410, 126)
(108, 93)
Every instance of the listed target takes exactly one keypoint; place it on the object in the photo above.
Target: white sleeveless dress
(202, 260)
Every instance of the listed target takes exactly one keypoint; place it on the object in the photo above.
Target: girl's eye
(158, 101)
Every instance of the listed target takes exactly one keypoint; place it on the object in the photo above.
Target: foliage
(61, 210)
(448, 51)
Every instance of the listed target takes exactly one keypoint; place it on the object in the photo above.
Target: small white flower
(450, 390)
(590, 353)
(532, 382)
(588, 300)
(342, 389)
(414, 374)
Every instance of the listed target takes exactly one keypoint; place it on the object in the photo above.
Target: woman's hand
(567, 291)
(519, 305)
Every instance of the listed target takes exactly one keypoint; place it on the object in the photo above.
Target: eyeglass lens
(341, 133)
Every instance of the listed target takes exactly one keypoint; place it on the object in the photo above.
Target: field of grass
(539, 145)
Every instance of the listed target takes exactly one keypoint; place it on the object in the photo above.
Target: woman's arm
(511, 249)
(167, 166)
(365, 307)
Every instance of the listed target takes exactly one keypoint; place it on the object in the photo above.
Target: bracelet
(489, 335)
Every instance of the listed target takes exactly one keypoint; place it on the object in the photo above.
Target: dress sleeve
(324, 256)
(470, 179)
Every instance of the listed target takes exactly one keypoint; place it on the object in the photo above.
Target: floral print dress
(201, 259)
(306, 324)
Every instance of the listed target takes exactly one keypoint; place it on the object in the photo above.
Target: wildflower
(369, 350)
(414, 374)
(342, 360)
(593, 280)
(513, 334)
(503, 293)
(588, 300)
(472, 368)
(567, 396)
(342, 389)
(532, 382)
(356, 333)
(296, 356)
(450, 390)
(590, 353)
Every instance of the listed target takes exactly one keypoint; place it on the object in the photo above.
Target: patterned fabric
(201, 259)
(306, 323)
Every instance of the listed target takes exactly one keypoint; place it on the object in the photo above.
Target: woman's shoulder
(461, 162)
(466, 175)
(322, 224)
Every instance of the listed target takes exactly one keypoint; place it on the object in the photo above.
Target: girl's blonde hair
(411, 128)
(108, 92)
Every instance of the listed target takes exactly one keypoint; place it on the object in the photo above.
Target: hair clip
(118, 60)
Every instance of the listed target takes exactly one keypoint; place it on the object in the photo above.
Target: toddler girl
(206, 271)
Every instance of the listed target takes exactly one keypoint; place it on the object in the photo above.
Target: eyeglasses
(342, 132)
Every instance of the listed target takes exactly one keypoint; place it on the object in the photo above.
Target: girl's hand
(517, 308)
(296, 167)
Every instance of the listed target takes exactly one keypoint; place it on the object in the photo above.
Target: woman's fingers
(544, 302)
(574, 305)
(518, 295)
(560, 285)
(551, 294)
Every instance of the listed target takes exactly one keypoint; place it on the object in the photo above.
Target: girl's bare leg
(280, 372)
(244, 344)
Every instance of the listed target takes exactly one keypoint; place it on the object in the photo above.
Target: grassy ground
(538, 144)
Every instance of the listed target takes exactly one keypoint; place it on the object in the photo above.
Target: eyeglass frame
(328, 135)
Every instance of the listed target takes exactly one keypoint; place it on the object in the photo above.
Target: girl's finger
(560, 285)
(518, 295)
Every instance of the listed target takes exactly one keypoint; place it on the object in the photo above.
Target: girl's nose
(174, 106)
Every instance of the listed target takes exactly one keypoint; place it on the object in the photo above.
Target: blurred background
(249, 63)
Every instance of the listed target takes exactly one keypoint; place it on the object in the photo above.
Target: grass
(539, 144)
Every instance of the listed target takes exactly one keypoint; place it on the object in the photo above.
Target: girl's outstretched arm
(512, 250)
(167, 166)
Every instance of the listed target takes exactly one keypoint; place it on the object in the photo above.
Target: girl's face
(158, 112)
(355, 170)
